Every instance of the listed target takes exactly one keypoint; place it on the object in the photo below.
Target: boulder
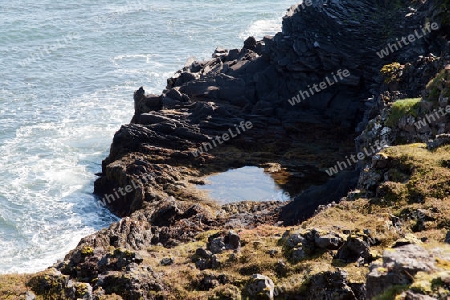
(175, 94)
(232, 241)
(145, 103)
(166, 261)
(215, 262)
(183, 78)
(220, 52)
(409, 295)
(230, 87)
(354, 249)
(329, 241)
(29, 295)
(203, 264)
(440, 140)
(292, 240)
(203, 253)
(298, 254)
(331, 285)
(250, 43)
(398, 267)
(201, 88)
(261, 286)
(216, 245)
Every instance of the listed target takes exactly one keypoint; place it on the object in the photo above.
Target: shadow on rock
(305, 204)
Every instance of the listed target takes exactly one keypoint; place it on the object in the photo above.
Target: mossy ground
(421, 182)
(392, 292)
(401, 108)
(261, 253)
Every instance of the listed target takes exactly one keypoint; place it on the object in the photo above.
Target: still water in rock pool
(247, 183)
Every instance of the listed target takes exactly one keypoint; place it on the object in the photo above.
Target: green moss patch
(401, 108)
(392, 292)
(439, 86)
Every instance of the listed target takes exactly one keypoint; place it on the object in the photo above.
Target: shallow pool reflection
(247, 183)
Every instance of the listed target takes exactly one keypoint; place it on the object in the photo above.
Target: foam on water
(47, 191)
(261, 28)
(58, 114)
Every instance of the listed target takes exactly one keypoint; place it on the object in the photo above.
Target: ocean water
(67, 74)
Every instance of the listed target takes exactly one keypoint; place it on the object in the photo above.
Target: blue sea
(68, 70)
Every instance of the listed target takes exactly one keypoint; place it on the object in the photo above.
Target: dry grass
(261, 253)
(13, 286)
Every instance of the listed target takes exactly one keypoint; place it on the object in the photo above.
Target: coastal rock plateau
(341, 237)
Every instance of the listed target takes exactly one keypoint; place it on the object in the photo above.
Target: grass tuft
(401, 108)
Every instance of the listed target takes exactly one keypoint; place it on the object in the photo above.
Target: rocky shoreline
(376, 228)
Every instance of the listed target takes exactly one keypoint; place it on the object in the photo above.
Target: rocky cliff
(296, 103)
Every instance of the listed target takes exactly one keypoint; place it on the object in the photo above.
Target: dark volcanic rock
(232, 240)
(250, 43)
(332, 285)
(145, 103)
(447, 238)
(328, 241)
(354, 249)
